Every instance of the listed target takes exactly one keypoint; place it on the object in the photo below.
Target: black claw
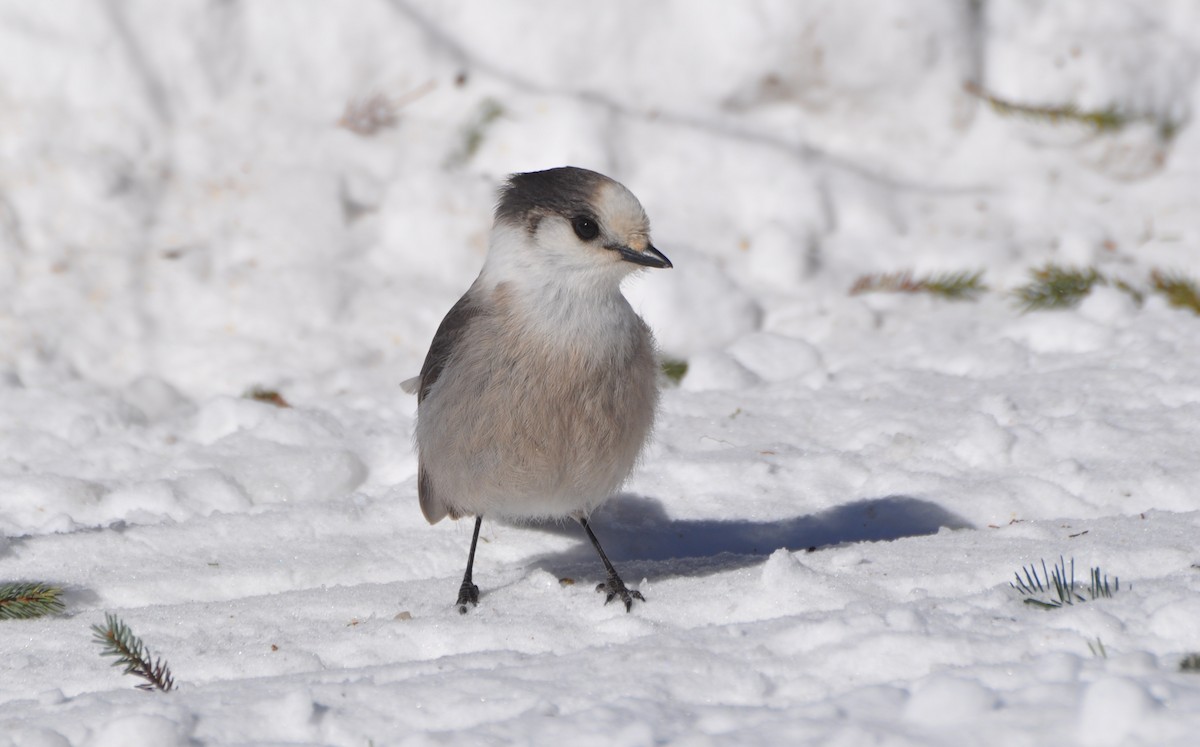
(468, 593)
(615, 587)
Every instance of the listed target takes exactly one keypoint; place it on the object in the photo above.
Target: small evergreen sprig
(266, 396)
(19, 601)
(1037, 589)
(1107, 120)
(1104, 120)
(1051, 286)
(674, 369)
(954, 286)
(119, 641)
(1180, 290)
(1057, 287)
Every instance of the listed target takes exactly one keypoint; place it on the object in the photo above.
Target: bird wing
(441, 350)
(444, 343)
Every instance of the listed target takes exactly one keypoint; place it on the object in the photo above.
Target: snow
(838, 492)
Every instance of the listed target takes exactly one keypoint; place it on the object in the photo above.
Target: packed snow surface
(201, 199)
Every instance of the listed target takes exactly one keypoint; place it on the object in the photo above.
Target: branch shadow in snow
(633, 528)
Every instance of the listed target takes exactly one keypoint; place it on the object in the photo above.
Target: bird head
(569, 223)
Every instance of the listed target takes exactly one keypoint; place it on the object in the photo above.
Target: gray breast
(522, 424)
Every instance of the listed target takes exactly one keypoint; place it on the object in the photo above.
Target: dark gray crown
(567, 191)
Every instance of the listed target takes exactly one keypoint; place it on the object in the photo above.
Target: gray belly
(538, 431)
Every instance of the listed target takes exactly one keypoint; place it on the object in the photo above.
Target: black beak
(651, 257)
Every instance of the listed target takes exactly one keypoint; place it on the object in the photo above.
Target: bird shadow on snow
(638, 534)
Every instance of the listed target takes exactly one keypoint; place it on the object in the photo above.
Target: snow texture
(198, 198)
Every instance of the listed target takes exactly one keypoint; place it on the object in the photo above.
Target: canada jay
(539, 389)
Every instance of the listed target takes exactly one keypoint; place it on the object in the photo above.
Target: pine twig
(1180, 290)
(19, 601)
(120, 642)
(267, 396)
(954, 286)
(1109, 119)
(674, 369)
(1098, 588)
(1103, 120)
(1037, 588)
(1057, 287)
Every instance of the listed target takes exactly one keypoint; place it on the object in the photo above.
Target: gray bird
(539, 388)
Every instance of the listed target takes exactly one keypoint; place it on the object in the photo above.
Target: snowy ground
(838, 492)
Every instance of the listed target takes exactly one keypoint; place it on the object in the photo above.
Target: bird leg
(468, 593)
(614, 587)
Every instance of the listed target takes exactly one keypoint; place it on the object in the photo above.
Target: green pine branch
(674, 369)
(953, 286)
(1179, 290)
(1053, 589)
(1050, 286)
(120, 642)
(265, 395)
(1057, 287)
(1103, 120)
(20, 601)
(1107, 120)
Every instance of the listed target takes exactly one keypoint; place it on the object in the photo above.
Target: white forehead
(622, 215)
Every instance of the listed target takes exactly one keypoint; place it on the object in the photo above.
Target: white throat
(575, 299)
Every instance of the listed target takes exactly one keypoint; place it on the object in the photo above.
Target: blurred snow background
(200, 198)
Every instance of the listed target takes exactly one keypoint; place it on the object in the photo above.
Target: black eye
(585, 228)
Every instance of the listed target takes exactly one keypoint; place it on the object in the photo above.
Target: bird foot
(614, 588)
(468, 593)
